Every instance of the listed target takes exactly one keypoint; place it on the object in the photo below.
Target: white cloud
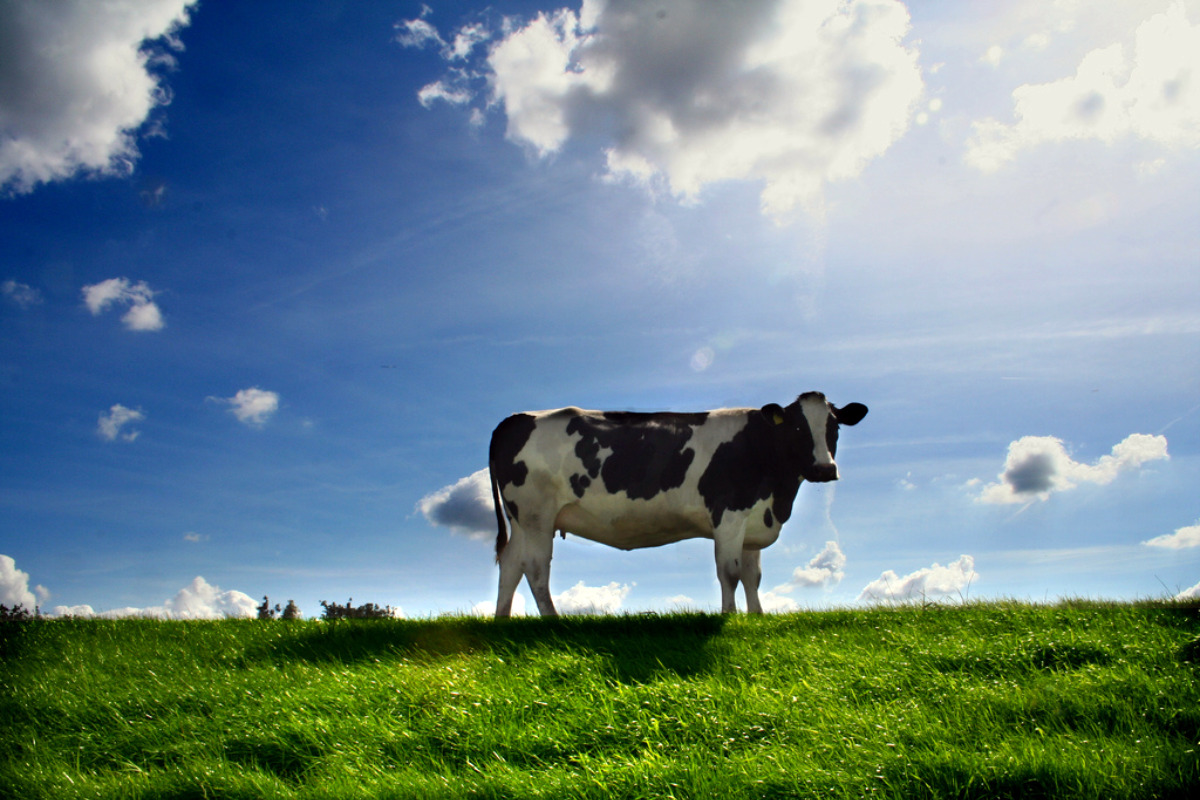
(773, 603)
(110, 424)
(826, 568)
(681, 601)
(1188, 594)
(77, 80)
(464, 507)
(793, 94)
(21, 294)
(1152, 94)
(143, 313)
(14, 585)
(1181, 538)
(487, 608)
(252, 406)
(928, 582)
(198, 600)
(1038, 466)
(580, 599)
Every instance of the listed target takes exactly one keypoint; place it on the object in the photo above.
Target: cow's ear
(773, 412)
(850, 414)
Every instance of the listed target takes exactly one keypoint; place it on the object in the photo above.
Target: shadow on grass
(639, 647)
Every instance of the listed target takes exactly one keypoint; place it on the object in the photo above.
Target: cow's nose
(823, 473)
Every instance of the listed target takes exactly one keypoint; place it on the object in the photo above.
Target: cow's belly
(630, 525)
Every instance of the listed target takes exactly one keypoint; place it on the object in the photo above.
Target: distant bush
(366, 611)
(289, 613)
(17, 613)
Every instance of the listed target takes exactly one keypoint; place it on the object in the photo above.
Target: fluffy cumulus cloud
(1182, 538)
(1038, 466)
(198, 600)
(824, 569)
(143, 313)
(1150, 91)
(581, 599)
(936, 581)
(487, 608)
(77, 81)
(111, 425)
(464, 507)
(789, 93)
(252, 406)
(14, 586)
(1188, 594)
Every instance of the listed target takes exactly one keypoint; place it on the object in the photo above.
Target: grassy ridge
(981, 700)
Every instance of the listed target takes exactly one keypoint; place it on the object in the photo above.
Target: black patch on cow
(579, 484)
(768, 520)
(763, 460)
(508, 440)
(647, 452)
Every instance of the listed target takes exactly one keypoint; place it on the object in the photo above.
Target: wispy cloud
(143, 314)
(111, 424)
(80, 80)
(790, 94)
(21, 294)
(927, 582)
(1038, 466)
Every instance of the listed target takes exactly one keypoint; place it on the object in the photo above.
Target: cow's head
(806, 433)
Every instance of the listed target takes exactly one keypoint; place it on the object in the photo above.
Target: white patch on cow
(816, 411)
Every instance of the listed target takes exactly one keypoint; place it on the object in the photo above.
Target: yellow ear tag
(778, 419)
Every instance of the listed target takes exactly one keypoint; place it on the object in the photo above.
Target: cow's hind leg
(539, 547)
(527, 554)
(751, 578)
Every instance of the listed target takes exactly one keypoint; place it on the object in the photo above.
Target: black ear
(773, 412)
(850, 414)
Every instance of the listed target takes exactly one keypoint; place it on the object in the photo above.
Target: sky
(273, 272)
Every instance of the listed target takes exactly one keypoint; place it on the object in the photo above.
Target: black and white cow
(642, 480)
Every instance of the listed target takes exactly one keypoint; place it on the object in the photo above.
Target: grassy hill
(1079, 699)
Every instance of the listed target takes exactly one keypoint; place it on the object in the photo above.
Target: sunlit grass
(982, 700)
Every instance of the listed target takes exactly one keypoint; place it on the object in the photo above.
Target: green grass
(990, 700)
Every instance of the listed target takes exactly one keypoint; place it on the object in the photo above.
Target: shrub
(366, 611)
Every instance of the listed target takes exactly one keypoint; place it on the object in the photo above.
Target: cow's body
(635, 480)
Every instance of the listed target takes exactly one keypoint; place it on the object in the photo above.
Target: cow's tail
(501, 525)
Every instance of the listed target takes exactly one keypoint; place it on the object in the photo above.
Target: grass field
(1079, 699)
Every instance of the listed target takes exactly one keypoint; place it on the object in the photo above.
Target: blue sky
(272, 273)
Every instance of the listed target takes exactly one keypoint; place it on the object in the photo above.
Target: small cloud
(993, 56)
(143, 314)
(417, 32)
(464, 507)
(1038, 466)
(20, 294)
(773, 603)
(192, 536)
(581, 599)
(1188, 594)
(681, 601)
(14, 585)
(118, 417)
(824, 569)
(1180, 539)
(929, 582)
(253, 406)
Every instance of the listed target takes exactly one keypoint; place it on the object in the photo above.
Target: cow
(632, 479)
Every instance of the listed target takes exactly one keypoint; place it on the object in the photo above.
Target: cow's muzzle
(823, 473)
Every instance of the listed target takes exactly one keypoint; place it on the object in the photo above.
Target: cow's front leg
(728, 546)
(751, 578)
